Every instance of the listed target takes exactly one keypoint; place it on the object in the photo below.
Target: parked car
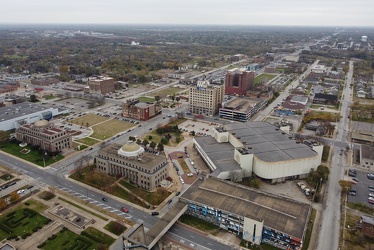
(104, 199)
(352, 192)
(123, 209)
(21, 191)
(355, 179)
(154, 213)
(170, 201)
(370, 176)
(177, 193)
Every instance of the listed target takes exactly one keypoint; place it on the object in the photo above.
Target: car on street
(355, 179)
(104, 199)
(170, 201)
(352, 192)
(177, 193)
(154, 213)
(123, 209)
(21, 191)
(370, 176)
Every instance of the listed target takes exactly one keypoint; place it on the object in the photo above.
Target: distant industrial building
(15, 78)
(101, 84)
(206, 98)
(181, 75)
(238, 81)
(45, 135)
(241, 109)
(7, 86)
(252, 215)
(13, 116)
(146, 170)
(237, 57)
(45, 81)
(139, 110)
(259, 149)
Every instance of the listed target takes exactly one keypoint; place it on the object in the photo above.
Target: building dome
(41, 123)
(130, 149)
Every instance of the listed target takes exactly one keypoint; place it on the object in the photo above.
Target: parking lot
(362, 189)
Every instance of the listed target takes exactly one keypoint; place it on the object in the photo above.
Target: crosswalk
(95, 202)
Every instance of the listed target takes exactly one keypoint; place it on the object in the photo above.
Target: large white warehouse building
(258, 148)
(13, 116)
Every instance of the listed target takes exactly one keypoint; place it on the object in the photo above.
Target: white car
(21, 191)
(190, 174)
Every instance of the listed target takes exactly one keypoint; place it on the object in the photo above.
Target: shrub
(11, 214)
(11, 237)
(90, 236)
(27, 204)
(27, 222)
(65, 242)
(52, 237)
(41, 245)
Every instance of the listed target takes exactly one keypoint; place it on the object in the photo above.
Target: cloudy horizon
(193, 12)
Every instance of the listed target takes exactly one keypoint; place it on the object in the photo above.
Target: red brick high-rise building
(238, 82)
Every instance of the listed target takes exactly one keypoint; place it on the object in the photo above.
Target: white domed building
(44, 134)
(132, 162)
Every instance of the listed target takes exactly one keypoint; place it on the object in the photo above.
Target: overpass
(137, 239)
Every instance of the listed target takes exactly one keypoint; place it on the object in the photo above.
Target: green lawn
(123, 194)
(88, 141)
(33, 156)
(110, 128)
(263, 77)
(146, 99)
(165, 92)
(154, 198)
(115, 228)
(21, 222)
(90, 238)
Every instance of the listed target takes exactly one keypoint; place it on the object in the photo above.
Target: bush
(41, 245)
(52, 237)
(27, 204)
(11, 214)
(65, 242)
(27, 222)
(90, 236)
(35, 229)
(11, 237)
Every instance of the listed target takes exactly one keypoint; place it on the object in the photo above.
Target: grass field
(21, 222)
(146, 99)
(88, 141)
(90, 238)
(33, 156)
(110, 128)
(90, 120)
(165, 92)
(263, 77)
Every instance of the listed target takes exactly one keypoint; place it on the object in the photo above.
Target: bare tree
(235, 176)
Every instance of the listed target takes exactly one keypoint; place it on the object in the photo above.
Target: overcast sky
(243, 12)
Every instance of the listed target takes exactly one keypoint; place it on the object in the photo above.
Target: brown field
(110, 128)
(90, 120)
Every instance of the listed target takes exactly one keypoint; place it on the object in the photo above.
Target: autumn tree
(4, 135)
(3, 204)
(14, 197)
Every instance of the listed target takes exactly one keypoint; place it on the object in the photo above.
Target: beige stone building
(101, 84)
(44, 134)
(206, 98)
(132, 162)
